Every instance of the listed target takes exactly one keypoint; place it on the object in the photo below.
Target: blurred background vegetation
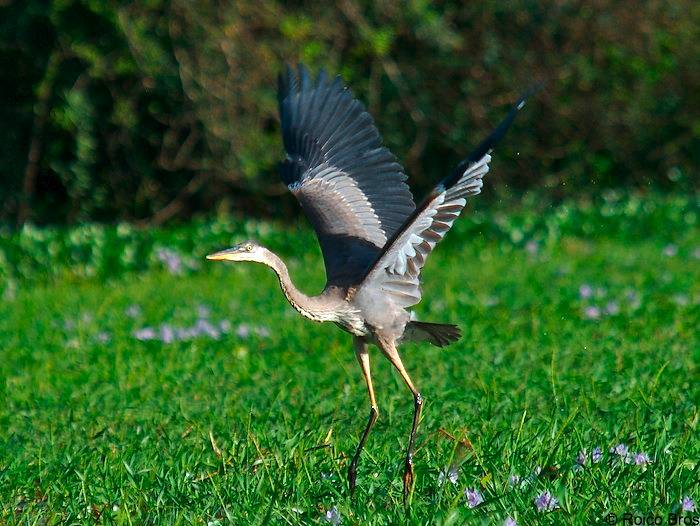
(156, 111)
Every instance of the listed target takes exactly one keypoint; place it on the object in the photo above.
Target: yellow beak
(223, 255)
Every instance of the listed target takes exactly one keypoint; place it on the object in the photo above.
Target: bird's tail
(439, 334)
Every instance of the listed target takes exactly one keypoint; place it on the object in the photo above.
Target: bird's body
(373, 237)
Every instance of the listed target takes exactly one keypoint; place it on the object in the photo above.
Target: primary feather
(351, 187)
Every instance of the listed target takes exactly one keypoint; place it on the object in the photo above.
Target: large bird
(374, 239)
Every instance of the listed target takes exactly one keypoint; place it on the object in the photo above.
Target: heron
(374, 239)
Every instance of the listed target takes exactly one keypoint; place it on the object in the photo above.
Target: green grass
(258, 429)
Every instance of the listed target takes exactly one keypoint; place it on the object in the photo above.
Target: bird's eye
(249, 247)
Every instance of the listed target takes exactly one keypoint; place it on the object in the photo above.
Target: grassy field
(178, 392)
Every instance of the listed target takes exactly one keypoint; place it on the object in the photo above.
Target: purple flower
(591, 312)
(585, 291)
(581, 458)
(225, 326)
(133, 311)
(170, 259)
(491, 301)
(147, 333)
(243, 330)
(262, 331)
(185, 333)
(102, 337)
(620, 450)
(670, 250)
(612, 308)
(204, 327)
(474, 497)
(546, 502)
(633, 298)
(532, 247)
(332, 516)
(510, 521)
(167, 334)
(513, 480)
(203, 311)
(448, 474)
(687, 504)
(696, 255)
(680, 300)
(641, 459)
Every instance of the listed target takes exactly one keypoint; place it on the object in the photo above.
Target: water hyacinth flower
(591, 312)
(620, 450)
(581, 459)
(687, 504)
(513, 480)
(263, 332)
(203, 311)
(205, 328)
(145, 334)
(632, 298)
(448, 474)
(585, 291)
(532, 247)
(670, 250)
(510, 521)
(474, 497)
(612, 308)
(243, 330)
(596, 455)
(133, 311)
(332, 516)
(185, 333)
(102, 337)
(167, 333)
(546, 502)
(490, 301)
(680, 299)
(641, 459)
(170, 259)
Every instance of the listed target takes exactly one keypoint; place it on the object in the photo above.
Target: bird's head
(246, 251)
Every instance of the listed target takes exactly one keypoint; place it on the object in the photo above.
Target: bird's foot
(408, 480)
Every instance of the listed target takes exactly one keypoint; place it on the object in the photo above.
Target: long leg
(363, 359)
(390, 351)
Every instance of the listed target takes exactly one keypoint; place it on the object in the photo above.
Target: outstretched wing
(397, 269)
(351, 187)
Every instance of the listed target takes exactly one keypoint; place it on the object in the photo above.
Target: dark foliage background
(155, 110)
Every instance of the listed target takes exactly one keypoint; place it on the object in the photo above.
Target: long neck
(307, 306)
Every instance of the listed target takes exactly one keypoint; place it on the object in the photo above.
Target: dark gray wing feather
(350, 186)
(397, 269)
